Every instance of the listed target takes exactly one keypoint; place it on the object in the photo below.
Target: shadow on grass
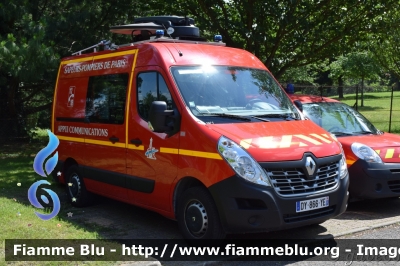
(368, 108)
(395, 130)
(366, 97)
(107, 218)
(21, 149)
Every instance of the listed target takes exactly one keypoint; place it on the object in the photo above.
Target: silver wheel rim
(195, 210)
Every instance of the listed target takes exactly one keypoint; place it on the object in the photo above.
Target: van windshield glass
(339, 119)
(218, 94)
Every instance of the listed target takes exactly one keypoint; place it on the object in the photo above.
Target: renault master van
(193, 130)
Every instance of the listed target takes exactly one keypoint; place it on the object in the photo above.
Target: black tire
(197, 215)
(77, 194)
(394, 198)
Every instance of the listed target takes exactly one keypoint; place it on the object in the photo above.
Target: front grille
(302, 216)
(394, 186)
(293, 181)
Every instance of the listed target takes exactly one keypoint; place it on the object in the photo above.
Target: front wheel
(76, 190)
(198, 217)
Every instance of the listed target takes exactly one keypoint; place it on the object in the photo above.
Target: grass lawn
(17, 217)
(377, 108)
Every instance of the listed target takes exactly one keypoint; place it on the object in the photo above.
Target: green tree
(34, 35)
(304, 74)
(385, 47)
(288, 34)
(361, 65)
(337, 72)
(355, 65)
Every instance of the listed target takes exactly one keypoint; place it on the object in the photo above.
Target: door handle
(137, 142)
(114, 139)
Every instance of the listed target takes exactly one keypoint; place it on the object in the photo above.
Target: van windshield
(339, 119)
(234, 93)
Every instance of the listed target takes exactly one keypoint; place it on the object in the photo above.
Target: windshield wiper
(363, 132)
(285, 116)
(245, 118)
(259, 118)
(228, 116)
(338, 133)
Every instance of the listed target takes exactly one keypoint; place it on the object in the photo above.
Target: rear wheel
(198, 217)
(76, 190)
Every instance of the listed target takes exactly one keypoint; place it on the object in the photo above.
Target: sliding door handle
(114, 139)
(136, 142)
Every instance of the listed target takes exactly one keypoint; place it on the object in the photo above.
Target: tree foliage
(305, 74)
(385, 46)
(285, 35)
(360, 65)
(34, 35)
(356, 65)
(288, 34)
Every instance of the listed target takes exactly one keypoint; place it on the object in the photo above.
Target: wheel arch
(184, 184)
(67, 164)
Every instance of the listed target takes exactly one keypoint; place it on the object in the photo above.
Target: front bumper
(245, 207)
(374, 180)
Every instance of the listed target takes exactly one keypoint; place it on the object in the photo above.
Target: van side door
(153, 157)
(105, 147)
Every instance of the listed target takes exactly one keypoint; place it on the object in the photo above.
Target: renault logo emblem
(310, 166)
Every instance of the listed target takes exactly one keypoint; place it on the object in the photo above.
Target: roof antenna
(70, 48)
(169, 31)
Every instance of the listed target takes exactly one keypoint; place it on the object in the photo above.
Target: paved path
(360, 216)
(363, 215)
(131, 222)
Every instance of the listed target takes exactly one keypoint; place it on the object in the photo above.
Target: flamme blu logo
(48, 168)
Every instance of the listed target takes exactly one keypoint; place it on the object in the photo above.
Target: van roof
(304, 98)
(186, 53)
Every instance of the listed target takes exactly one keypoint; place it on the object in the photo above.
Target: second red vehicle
(372, 156)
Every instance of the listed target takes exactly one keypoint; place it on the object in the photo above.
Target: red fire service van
(193, 130)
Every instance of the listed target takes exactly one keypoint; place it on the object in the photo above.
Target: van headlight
(342, 166)
(365, 153)
(241, 162)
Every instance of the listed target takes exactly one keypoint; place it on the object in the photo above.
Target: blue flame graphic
(44, 153)
(32, 198)
(49, 167)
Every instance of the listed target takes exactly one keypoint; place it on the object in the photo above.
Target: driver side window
(151, 87)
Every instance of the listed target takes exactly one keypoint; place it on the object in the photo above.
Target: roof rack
(102, 45)
(170, 40)
(153, 29)
(144, 28)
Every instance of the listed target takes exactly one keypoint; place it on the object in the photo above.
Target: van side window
(151, 87)
(106, 98)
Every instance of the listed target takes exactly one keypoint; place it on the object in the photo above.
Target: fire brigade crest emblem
(151, 151)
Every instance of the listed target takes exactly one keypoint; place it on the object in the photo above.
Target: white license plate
(313, 204)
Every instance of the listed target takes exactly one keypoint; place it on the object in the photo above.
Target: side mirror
(162, 120)
(298, 104)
